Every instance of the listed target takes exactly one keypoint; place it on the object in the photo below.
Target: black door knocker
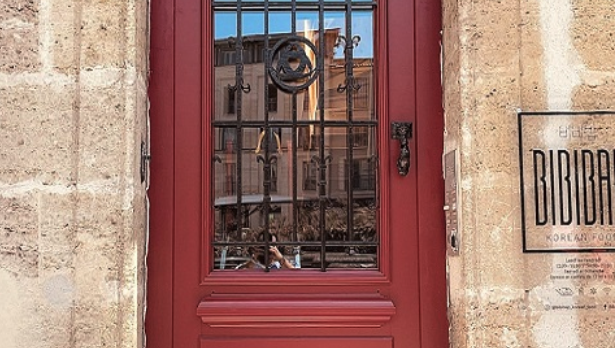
(402, 131)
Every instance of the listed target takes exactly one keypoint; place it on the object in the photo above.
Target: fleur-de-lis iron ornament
(267, 163)
(290, 66)
(245, 88)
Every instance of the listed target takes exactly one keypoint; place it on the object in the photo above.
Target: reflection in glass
(295, 163)
(290, 0)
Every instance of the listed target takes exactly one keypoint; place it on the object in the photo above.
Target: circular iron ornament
(290, 67)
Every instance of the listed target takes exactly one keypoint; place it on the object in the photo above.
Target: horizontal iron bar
(334, 202)
(277, 202)
(329, 243)
(289, 124)
(287, 6)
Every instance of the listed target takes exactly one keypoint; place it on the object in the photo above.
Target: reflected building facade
(293, 137)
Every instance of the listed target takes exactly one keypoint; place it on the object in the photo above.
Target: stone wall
(73, 111)
(501, 57)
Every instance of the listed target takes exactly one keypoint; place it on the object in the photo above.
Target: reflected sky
(280, 22)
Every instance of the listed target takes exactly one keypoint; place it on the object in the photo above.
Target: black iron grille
(295, 163)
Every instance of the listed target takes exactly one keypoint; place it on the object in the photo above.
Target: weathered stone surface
(103, 133)
(98, 220)
(501, 57)
(593, 33)
(57, 219)
(19, 234)
(36, 130)
(592, 94)
(103, 36)
(72, 209)
(19, 36)
(64, 35)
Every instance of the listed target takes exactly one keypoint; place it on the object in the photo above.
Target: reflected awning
(252, 199)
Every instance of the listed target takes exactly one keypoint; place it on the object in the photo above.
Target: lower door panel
(298, 342)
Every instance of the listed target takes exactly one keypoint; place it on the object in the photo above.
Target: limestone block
(592, 33)
(495, 239)
(458, 333)
(96, 275)
(598, 330)
(493, 25)
(102, 133)
(36, 132)
(494, 133)
(11, 314)
(57, 219)
(98, 220)
(62, 28)
(54, 259)
(19, 219)
(57, 231)
(19, 239)
(533, 96)
(19, 36)
(103, 37)
(96, 326)
(99, 252)
(497, 91)
(537, 269)
(134, 273)
(596, 93)
(55, 326)
(141, 28)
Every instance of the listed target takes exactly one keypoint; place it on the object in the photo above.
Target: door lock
(402, 131)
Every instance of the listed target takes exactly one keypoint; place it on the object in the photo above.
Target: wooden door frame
(172, 58)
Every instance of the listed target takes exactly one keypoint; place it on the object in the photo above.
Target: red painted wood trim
(296, 278)
(159, 315)
(430, 140)
(188, 177)
(296, 311)
(207, 96)
(305, 277)
(403, 209)
(304, 342)
(382, 103)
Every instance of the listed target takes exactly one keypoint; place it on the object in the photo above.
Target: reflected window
(229, 183)
(310, 174)
(228, 142)
(361, 95)
(363, 174)
(272, 101)
(360, 137)
(274, 178)
(230, 101)
(306, 101)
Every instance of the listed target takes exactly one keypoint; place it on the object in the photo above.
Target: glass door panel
(295, 172)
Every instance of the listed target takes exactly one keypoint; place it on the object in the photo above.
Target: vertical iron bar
(266, 162)
(238, 110)
(294, 138)
(321, 148)
(350, 89)
(293, 20)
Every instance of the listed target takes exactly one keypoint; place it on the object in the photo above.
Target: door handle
(402, 131)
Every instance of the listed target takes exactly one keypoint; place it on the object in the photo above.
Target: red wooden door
(399, 300)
